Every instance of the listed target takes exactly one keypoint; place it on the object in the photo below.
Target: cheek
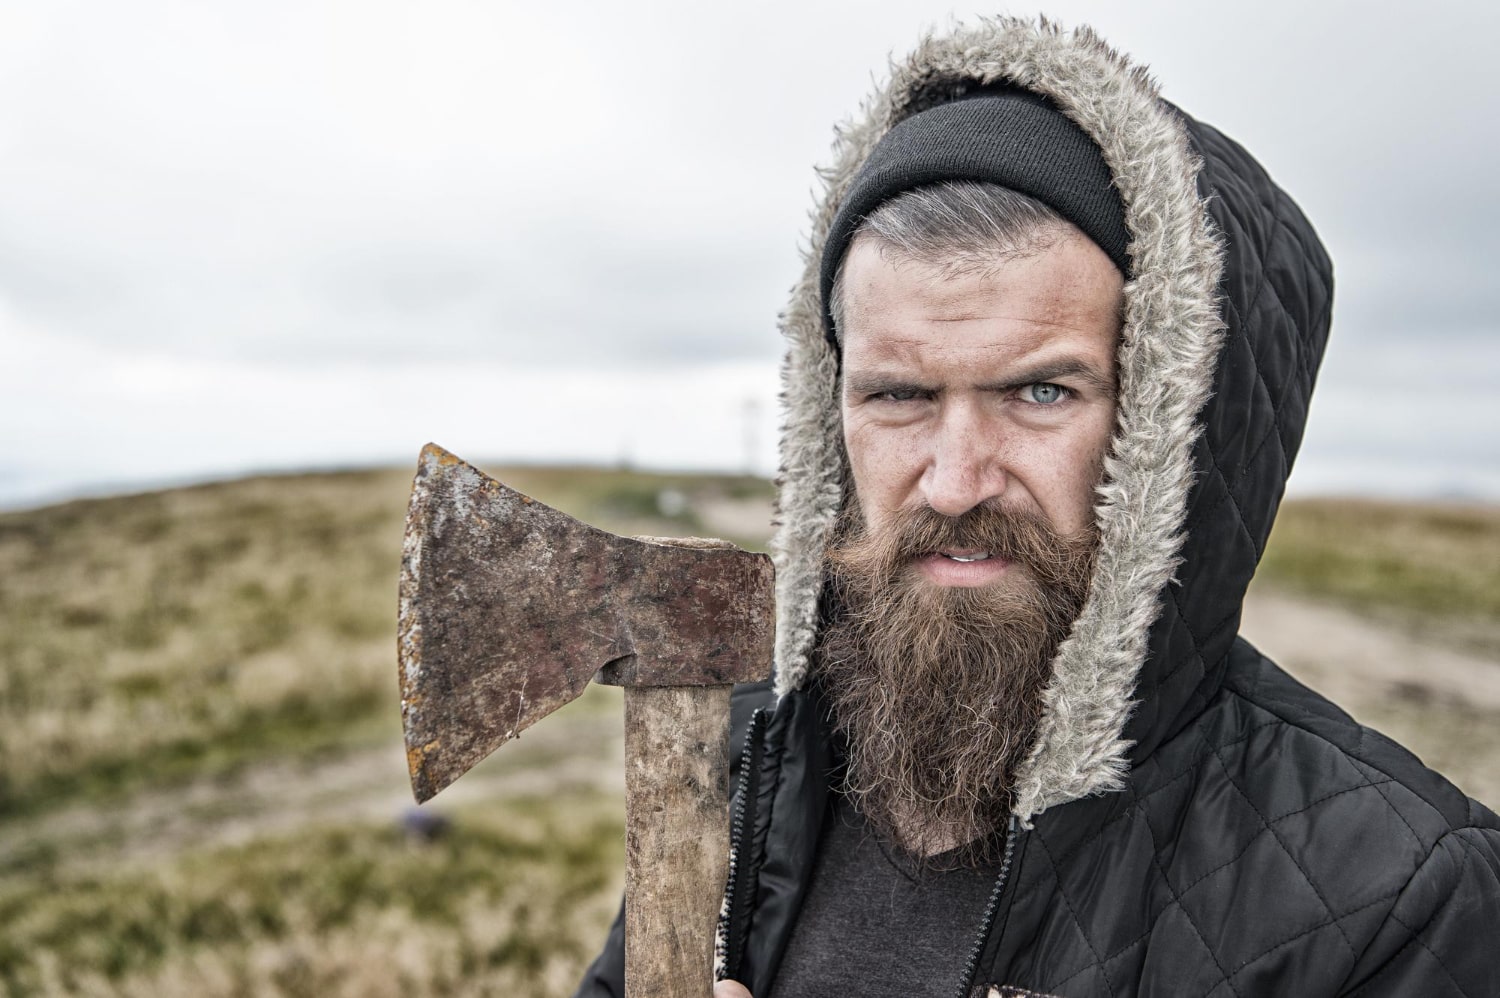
(878, 462)
(1060, 476)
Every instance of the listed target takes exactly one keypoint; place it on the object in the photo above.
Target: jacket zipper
(987, 925)
(739, 834)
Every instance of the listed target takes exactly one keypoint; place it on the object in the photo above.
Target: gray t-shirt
(875, 925)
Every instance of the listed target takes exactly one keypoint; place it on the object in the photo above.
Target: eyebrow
(1054, 371)
(861, 383)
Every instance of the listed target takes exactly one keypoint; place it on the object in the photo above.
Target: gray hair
(959, 225)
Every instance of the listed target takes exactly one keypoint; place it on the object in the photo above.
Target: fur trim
(1169, 344)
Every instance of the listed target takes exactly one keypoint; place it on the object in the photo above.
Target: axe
(509, 607)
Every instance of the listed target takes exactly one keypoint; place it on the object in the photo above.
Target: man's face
(976, 412)
(992, 385)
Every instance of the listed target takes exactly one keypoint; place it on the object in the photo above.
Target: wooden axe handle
(676, 836)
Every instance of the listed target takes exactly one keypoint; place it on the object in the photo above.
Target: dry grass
(508, 903)
(149, 637)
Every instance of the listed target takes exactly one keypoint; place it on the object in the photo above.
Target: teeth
(980, 556)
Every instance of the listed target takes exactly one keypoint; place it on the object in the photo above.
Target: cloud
(155, 417)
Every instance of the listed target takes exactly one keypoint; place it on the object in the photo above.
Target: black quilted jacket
(1193, 822)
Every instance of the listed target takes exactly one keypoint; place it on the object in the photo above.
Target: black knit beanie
(1003, 135)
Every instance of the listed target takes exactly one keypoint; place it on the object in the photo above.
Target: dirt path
(583, 751)
(1352, 659)
(1444, 704)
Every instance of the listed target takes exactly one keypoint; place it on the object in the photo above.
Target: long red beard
(938, 690)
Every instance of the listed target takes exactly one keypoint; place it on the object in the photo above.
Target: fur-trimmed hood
(1226, 313)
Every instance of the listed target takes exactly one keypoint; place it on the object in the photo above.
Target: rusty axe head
(509, 607)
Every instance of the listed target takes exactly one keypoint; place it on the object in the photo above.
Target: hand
(730, 989)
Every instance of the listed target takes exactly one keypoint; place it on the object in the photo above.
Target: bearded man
(1048, 370)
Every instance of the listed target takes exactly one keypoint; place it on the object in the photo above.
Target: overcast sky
(274, 235)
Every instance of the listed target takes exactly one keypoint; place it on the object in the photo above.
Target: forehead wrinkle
(1023, 338)
(1057, 308)
(1027, 321)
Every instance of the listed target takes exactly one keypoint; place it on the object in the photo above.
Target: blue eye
(1043, 392)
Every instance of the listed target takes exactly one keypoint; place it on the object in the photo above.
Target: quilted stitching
(1301, 870)
(1135, 808)
(1260, 721)
(1228, 979)
(1264, 701)
(1415, 942)
(1378, 785)
(1108, 959)
(1073, 914)
(1179, 894)
(1256, 365)
(1282, 944)
(1177, 901)
(1213, 631)
(1418, 933)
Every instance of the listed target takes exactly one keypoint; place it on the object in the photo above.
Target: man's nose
(964, 467)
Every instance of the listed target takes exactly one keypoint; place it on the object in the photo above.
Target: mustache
(1018, 535)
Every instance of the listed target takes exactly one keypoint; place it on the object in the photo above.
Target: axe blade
(509, 607)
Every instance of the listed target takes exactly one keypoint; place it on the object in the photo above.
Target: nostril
(955, 493)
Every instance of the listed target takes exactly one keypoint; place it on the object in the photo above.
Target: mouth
(962, 567)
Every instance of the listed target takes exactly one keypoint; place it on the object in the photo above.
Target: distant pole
(750, 428)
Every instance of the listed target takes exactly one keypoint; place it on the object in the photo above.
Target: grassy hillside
(201, 788)
(197, 701)
(182, 632)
